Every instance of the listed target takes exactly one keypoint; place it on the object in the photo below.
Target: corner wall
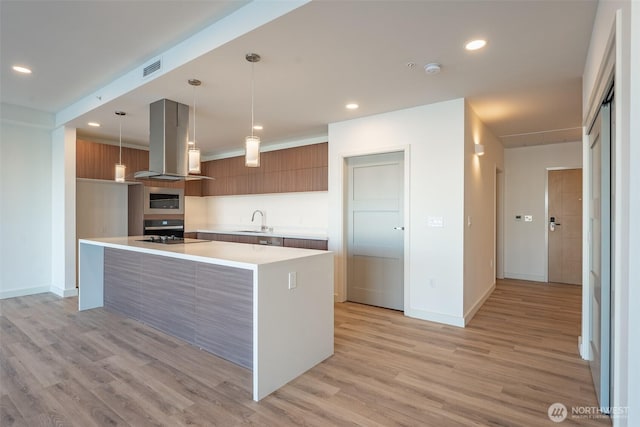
(432, 137)
(525, 245)
(480, 211)
(25, 202)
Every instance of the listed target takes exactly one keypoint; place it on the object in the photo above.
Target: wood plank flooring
(61, 367)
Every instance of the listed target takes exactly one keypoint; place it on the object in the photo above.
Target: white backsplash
(285, 212)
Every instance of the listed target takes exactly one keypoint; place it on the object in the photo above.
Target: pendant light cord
(194, 116)
(252, 96)
(120, 121)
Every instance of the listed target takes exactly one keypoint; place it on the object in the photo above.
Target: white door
(600, 253)
(375, 227)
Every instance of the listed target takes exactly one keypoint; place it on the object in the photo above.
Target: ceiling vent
(151, 68)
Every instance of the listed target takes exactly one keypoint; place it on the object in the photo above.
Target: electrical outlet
(293, 280)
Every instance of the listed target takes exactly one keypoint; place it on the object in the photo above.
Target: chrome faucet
(263, 225)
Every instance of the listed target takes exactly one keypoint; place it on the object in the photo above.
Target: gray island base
(268, 309)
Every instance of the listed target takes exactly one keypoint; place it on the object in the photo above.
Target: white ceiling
(525, 85)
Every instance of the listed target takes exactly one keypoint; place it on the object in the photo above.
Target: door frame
(344, 179)
(546, 217)
(607, 74)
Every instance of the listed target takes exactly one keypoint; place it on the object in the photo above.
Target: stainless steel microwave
(159, 200)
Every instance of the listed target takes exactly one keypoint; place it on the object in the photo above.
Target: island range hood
(168, 142)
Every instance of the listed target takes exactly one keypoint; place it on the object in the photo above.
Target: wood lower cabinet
(207, 305)
(122, 281)
(305, 243)
(234, 238)
(167, 295)
(224, 312)
(268, 240)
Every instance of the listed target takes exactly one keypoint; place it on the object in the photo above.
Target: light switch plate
(435, 221)
(528, 218)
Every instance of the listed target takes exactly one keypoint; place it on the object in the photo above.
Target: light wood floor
(519, 355)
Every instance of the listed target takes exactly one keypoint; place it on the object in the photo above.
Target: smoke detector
(432, 68)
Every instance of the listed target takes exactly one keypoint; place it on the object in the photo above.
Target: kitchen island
(269, 309)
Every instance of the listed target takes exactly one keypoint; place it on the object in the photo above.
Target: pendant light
(120, 168)
(252, 143)
(194, 151)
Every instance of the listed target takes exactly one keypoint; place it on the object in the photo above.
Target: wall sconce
(479, 149)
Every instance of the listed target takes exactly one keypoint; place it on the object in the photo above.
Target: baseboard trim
(473, 310)
(435, 317)
(13, 293)
(64, 293)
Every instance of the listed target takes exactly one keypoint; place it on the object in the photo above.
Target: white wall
(432, 137)
(525, 248)
(479, 211)
(621, 18)
(306, 213)
(63, 212)
(25, 202)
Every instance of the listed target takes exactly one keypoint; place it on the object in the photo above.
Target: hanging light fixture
(194, 151)
(120, 168)
(252, 143)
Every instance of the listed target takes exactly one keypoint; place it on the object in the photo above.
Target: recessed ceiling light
(257, 127)
(21, 69)
(352, 106)
(94, 124)
(475, 44)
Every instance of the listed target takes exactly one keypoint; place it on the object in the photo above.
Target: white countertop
(254, 231)
(239, 255)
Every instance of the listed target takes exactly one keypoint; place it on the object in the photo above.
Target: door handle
(398, 228)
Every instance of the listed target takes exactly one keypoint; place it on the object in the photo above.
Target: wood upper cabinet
(295, 169)
(282, 171)
(97, 161)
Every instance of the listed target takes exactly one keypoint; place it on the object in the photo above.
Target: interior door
(600, 253)
(564, 189)
(375, 227)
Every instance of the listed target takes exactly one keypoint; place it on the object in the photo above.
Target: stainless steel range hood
(168, 145)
